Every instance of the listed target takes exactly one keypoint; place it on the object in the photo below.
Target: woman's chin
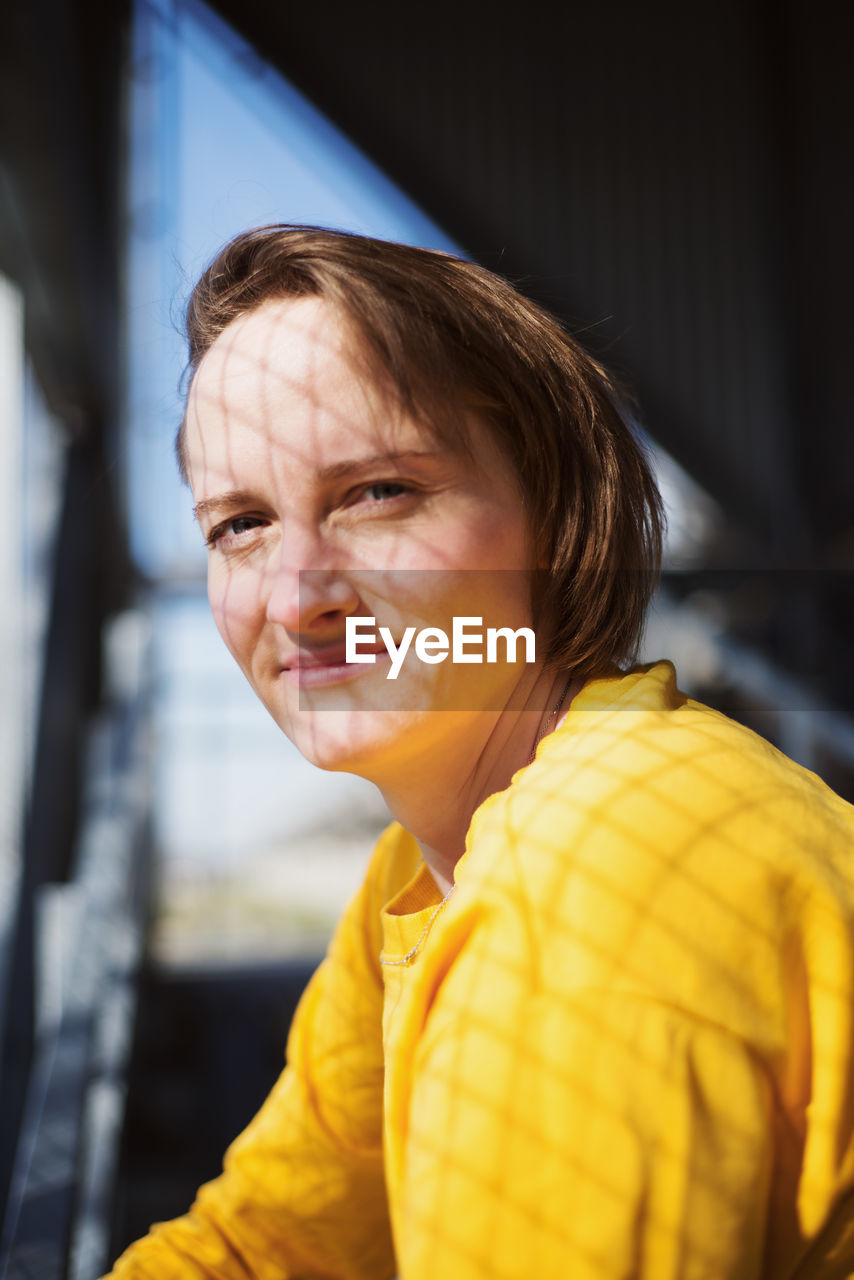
(361, 742)
(390, 748)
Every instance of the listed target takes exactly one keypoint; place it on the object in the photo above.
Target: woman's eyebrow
(232, 498)
(336, 470)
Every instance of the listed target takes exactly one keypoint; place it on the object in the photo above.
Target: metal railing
(88, 939)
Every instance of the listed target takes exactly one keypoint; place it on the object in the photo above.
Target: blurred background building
(674, 181)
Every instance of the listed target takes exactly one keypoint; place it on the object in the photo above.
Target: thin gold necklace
(551, 722)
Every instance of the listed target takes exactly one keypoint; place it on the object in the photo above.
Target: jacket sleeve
(302, 1191)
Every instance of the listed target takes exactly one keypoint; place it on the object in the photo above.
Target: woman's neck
(435, 802)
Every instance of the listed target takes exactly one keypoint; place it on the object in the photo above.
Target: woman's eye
(233, 528)
(383, 490)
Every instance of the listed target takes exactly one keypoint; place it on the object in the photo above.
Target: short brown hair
(446, 335)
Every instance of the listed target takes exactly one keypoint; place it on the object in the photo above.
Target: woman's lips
(311, 669)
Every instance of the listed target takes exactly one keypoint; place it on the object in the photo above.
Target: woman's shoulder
(645, 789)
(657, 847)
(634, 744)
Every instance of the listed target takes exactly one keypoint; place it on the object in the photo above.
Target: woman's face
(318, 499)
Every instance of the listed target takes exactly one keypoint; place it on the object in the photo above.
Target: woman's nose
(306, 595)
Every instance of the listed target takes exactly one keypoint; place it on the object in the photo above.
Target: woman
(592, 1011)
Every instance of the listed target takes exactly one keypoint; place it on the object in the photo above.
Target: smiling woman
(592, 1012)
